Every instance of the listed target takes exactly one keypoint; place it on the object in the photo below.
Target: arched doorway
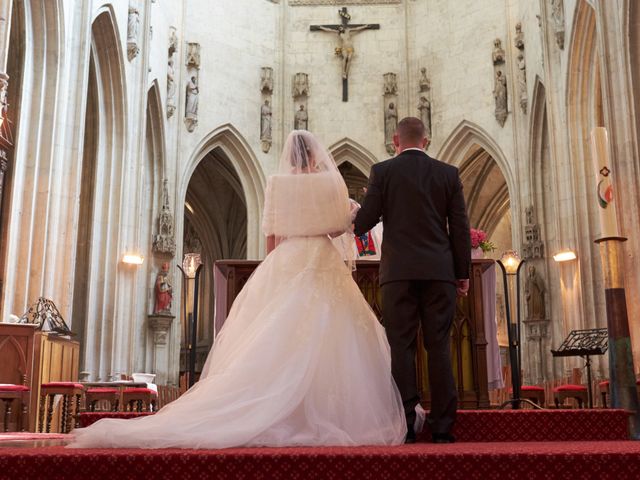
(354, 163)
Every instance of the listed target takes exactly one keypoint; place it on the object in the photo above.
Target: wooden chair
(71, 395)
(605, 391)
(9, 393)
(139, 399)
(533, 393)
(99, 394)
(577, 392)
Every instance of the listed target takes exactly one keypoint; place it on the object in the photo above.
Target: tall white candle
(604, 197)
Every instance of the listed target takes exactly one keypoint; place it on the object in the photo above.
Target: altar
(468, 335)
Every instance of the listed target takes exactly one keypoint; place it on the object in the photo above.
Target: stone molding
(342, 2)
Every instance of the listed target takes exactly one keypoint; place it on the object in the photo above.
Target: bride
(301, 359)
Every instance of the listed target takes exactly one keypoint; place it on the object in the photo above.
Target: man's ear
(396, 140)
(425, 143)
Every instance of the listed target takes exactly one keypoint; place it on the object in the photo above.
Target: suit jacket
(426, 229)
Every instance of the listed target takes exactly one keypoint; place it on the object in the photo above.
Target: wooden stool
(533, 393)
(143, 399)
(99, 394)
(577, 392)
(10, 393)
(70, 391)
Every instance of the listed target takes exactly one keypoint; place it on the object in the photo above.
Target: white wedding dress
(300, 360)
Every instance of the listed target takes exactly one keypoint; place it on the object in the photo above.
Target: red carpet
(501, 444)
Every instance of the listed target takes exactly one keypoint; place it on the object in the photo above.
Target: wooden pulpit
(468, 341)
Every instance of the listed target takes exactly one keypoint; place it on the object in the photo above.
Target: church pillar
(160, 328)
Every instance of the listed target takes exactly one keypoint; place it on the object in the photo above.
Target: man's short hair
(411, 130)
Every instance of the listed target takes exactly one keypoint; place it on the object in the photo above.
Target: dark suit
(426, 246)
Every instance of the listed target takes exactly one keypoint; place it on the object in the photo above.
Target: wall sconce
(132, 259)
(565, 256)
(511, 262)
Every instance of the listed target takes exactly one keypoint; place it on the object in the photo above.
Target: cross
(345, 50)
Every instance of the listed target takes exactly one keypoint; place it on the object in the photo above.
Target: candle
(604, 184)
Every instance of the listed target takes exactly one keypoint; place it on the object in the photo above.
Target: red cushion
(63, 385)
(531, 388)
(13, 388)
(102, 390)
(604, 384)
(570, 388)
(140, 390)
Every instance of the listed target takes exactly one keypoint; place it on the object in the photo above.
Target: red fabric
(102, 390)
(604, 384)
(530, 460)
(140, 390)
(87, 418)
(13, 388)
(538, 425)
(529, 388)
(63, 385)
(570, 388)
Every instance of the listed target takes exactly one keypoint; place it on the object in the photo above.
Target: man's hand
(462, 287)
(353, 208)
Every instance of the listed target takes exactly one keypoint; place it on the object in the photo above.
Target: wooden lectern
(468, 341)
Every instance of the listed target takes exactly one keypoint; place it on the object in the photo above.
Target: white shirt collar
(413, 148)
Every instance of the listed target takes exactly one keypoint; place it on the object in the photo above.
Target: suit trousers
(406, 305)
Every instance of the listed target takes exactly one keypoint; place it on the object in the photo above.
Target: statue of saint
(390, 126)
(346, 48)
(163, 291)
(522, 81)
(192, 99)
(519, 37)
(425, 114)
(301, 119)
(500, 96)
(498, 52)
(425, 83)
(265, 121)
(534, 295)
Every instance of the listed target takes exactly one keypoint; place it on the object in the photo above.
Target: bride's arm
(272, 243)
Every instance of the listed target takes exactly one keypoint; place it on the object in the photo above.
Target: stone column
(160, 326)
(5, 30)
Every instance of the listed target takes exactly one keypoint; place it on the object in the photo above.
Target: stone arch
(35, 72)
(252, 178)
(95, 304)
(471, 149)
(354, 162)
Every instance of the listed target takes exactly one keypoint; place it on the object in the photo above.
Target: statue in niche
(191, 241)
(265, 121)
(133, 26)
(390, 84)
(498, 52)
(163, 292)
(171, 87)
(425, 83)
(266, 80)
(300, 85)
(534, 295)
(164, 241)
(192, 98)
(557, 15)
(193, 55)
(390, 126)
(522, 82)
(500, 96)
(519, 37)
(301, 119)
(424, 106)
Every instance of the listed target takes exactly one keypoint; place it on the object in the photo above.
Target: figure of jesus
(346, 48)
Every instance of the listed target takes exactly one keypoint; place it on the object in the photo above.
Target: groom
(425, 262)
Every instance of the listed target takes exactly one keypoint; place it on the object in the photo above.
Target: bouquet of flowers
(479, 240)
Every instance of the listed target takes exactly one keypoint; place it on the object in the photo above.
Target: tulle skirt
(301, 360)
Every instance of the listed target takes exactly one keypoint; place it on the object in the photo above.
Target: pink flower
(479, 240)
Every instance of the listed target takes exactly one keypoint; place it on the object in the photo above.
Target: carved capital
(160, 325)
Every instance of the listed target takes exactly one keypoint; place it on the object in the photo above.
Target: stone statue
(300, 85)
(133, 26)
(345, 50)
(301, 119)
(163, 291)
(522, 82)
(519, 37)
(500, 96)
(191, 110)
(390, 126)
(425, 83)
(164, 241)
(534, 295)
(266, 80)
(390, 84)
(498, 52)
(425, 114)
(171, 87)
(265, 121)
(557, 15)
(193, 55)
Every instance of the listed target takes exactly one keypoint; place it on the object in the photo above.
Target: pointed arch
(347, 150)
(252, 178)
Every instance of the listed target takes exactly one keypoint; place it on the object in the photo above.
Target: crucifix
(345, 50)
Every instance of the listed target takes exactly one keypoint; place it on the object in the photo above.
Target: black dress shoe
(411, 436)
(442, 438)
